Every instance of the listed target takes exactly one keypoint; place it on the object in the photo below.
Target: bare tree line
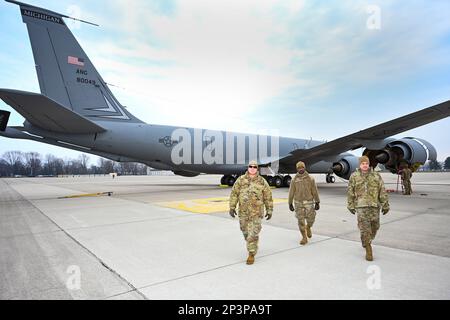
(17, 163)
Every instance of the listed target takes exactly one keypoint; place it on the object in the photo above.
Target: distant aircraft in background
(77, 110)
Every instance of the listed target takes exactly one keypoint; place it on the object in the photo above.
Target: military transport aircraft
(77, 110)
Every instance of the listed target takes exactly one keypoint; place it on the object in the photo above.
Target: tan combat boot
(308, 231)
(251, 258)
(369, 256)
(304, 238)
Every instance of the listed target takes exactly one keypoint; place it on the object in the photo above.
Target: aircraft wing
(47, 114)
(376, 133)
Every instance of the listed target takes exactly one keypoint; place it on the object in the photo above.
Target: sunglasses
(253, 167)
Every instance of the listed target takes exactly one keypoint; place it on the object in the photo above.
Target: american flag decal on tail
(76, 61)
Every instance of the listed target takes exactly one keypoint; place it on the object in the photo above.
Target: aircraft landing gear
(228, 180)
(278, 181)
(287, 181)
(330, 178)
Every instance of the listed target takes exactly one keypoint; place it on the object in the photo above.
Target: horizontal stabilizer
(47, 114)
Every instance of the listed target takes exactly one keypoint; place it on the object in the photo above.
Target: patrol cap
(364, 159)
(253, 163)
(300, 164)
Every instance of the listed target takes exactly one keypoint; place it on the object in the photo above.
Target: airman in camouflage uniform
(365, 196)
(252, 192)
(303, 192)
(406, 174)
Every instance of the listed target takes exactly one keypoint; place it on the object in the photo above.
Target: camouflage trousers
(407, 187)
(305, 215)
(368, 223)
(250, 227)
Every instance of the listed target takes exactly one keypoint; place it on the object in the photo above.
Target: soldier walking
(303, 192)
(406, 175)
(365, 196)
(252, 192)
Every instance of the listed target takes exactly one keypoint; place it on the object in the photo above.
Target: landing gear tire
(223, 180)
(330, 179)
(228, 180)
(277, 182)
(287, 181)
(269, 180)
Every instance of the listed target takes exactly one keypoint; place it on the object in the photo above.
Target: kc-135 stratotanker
(77, 110)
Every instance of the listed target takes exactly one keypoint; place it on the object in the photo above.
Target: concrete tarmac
(135, 245)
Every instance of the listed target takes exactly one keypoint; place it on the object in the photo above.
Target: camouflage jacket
(366, 190)
(303, 188)
(252, 194)
(406, 174)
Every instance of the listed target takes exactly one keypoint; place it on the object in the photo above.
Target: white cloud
(209, 62)
(212, 57)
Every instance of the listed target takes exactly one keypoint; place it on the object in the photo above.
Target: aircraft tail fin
(65, 73)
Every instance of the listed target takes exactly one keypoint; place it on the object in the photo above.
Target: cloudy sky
(320, 69)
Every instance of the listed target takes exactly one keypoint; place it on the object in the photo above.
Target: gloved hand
(268, 215)
(353, 211)
(385, 211)
(291, 207)
(232, 213)
(317, 206)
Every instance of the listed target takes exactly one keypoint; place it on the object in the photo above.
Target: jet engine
(413, 151)
(346, 166)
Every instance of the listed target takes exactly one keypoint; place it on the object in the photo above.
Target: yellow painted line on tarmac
(87, 195)
(205, 205)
